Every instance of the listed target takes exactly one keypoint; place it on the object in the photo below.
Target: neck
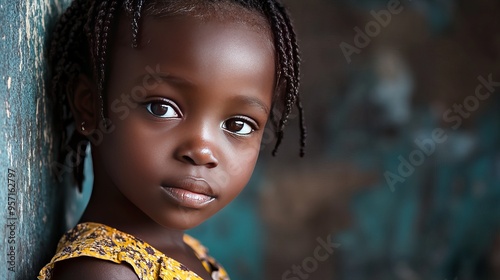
(109, 206)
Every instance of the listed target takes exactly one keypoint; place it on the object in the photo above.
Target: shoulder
(94, 251)
(86, 268)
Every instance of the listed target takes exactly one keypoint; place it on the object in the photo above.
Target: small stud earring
(83, 126)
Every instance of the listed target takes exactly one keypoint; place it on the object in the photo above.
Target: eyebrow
(252, 101)
(168, 78)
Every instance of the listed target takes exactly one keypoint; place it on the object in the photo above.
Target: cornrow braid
(80, 45)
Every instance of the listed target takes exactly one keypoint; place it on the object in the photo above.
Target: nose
(197, 149)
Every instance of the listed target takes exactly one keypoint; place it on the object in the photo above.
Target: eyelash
(245, 120)
(164, 103)
(252, 125)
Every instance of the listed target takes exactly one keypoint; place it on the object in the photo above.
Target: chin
(184, 221)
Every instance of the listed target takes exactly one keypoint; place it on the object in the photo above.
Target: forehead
(171, 28)
(220, 10)
(209, 54)
(185, 38)
(178, 18)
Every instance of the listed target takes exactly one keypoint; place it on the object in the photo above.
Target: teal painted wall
(32, 223)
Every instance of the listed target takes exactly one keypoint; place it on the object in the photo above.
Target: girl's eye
(239, 126)
(162, 109)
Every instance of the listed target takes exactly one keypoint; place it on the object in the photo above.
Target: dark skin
(184, 141)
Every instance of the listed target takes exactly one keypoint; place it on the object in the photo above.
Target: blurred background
(402, 167)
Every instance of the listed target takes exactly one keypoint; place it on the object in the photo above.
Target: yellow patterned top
(107, 243)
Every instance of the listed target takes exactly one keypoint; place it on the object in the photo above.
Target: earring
(83, 126)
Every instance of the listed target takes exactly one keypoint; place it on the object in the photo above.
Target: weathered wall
(29, 195)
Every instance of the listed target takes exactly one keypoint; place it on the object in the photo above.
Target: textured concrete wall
(29, 194)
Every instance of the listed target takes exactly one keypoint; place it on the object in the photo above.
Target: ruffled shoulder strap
(210, 264)
(106, 243)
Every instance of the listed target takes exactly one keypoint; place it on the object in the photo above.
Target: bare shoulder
(86, 268)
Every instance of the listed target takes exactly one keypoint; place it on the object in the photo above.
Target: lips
(190, 192)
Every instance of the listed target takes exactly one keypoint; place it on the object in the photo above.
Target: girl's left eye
(239, 126)
(162, 109)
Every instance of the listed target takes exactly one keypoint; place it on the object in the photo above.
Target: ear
(85, 104)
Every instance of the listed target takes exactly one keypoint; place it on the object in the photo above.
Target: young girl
(174, 97)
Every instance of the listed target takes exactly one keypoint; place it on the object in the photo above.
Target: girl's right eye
(162, 109)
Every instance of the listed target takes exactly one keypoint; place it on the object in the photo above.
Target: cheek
(240, 169)
(130, 153)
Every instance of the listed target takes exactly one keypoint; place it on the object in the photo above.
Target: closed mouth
(190, 192)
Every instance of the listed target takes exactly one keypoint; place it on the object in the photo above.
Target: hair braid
(89, 32)
(296, 67)
(288, 64)
(282, 63)
(100, 48)
(67, 53)
(81, 34)
(134, 9)
(136, 17)
(107, 27)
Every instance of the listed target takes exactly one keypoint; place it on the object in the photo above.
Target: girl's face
(188, 110)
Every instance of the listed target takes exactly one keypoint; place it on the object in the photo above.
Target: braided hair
(81, 40)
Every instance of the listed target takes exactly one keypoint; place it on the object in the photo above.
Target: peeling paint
(9, 154)
(20, 43)
(7, 109)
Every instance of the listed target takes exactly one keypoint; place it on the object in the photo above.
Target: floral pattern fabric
(106, 243)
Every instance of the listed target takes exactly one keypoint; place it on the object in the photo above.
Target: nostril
(189, 160)
(197, 156)
(212, 164)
